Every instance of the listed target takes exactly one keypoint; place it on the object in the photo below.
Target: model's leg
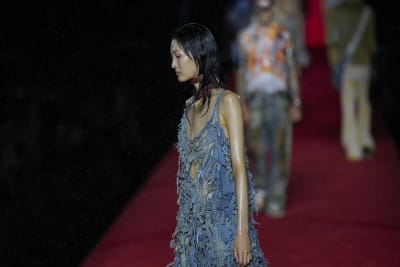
(364, 112)
(257, 148)
(279, 127)
(284, 140)
(349, 137)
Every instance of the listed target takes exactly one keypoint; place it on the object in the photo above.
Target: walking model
(351, 43)
(268, 85)
(215, 225)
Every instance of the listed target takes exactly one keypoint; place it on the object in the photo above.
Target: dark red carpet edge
(339, 213)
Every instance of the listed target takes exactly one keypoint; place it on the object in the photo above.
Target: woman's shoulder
(228, 95)
(229, 99)
(224, 92)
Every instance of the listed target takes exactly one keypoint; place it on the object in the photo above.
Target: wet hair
(199, 44)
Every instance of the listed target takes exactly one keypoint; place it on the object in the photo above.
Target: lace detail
(207, 214)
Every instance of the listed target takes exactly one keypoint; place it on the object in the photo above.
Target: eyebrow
(174, 52)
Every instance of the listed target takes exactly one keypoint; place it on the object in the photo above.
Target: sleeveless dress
(207, 206)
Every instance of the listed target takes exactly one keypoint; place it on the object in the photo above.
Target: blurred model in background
(290, 13)
(351, 43)
(267, 83)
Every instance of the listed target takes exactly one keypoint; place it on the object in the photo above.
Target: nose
(173, 63)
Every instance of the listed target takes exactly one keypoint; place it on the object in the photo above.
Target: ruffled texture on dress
(207, 214)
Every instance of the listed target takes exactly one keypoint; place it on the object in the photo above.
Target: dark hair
(199, 44)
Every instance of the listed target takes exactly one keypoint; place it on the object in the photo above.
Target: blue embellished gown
(207, 205)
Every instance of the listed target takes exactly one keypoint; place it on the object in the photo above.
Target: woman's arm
(232, 122)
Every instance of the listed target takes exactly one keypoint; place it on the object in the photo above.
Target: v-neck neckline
(199, 133)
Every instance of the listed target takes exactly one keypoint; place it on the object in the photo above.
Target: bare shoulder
(230, 101)
(230, 108)
(230, 98)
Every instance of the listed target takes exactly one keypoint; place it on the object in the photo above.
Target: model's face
(264, 15)
(184, 66)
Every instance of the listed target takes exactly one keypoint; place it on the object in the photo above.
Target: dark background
(89, 104)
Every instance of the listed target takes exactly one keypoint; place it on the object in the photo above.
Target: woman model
(215, 225)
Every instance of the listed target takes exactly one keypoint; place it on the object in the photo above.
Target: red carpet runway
(339, 213)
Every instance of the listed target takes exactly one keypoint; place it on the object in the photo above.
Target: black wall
(386, 83)
(88, 106)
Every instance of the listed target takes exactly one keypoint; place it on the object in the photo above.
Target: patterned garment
(265, 60)
(207, 215)
(263, 54)
(269, 134)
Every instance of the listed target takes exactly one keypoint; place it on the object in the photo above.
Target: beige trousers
(356, 110)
